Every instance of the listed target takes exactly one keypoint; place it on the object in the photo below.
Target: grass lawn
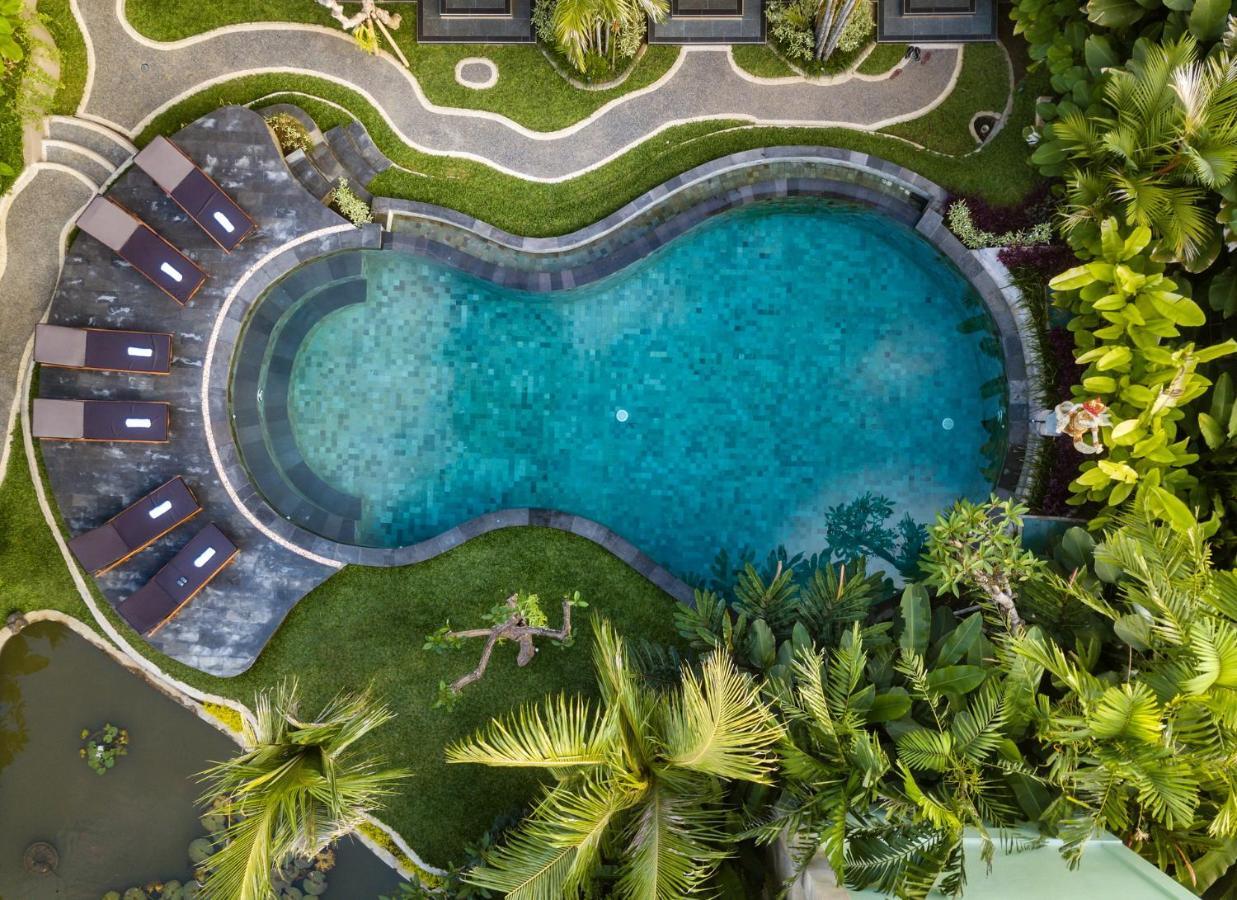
(882, 58)
(58, 17)
(983, 84)
(529, 90)
(366, 626)
(760, 60)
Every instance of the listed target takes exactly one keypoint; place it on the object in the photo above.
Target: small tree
(519, 618)
(979, 546)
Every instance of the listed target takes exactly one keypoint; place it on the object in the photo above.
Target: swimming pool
(727, 391)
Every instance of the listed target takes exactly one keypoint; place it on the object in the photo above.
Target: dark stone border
(905, 194)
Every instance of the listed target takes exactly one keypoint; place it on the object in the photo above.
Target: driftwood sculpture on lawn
(365, 24)
(519, 618)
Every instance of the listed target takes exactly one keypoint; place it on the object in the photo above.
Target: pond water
(134, 824)
(726, 391)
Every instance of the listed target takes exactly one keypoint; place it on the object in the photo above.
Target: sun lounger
(97, 348)
(100, 420)
(137, 244)
(179, 581)
(195, 192)
(135, 527)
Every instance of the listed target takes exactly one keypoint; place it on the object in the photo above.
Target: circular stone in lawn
(476, 72)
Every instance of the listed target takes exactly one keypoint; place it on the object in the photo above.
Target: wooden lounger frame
(136, 550)
(173, 247)
(253, 226)
(169, 335)
(174, 613)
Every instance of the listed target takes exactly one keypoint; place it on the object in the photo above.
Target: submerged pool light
(621, 415)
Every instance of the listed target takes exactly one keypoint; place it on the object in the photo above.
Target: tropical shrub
(353, 208)
(1139, 728)
(290, 133)
(897, 742)
(813, 30)
(977, 547)
(1157, 154)
(1124, 309)
(766, 617)
(963, 225)
(596, 36)
(637, 780)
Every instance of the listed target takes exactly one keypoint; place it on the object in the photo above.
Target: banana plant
(1125, 310)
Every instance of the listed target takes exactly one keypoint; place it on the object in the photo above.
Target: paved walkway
(135, 77)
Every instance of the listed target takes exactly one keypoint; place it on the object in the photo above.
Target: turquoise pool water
(725, 392)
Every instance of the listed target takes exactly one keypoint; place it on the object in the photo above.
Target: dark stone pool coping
(897, 191)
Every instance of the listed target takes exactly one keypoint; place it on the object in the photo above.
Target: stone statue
(1077, 419)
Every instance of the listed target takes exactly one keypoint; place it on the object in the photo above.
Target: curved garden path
(134, 77)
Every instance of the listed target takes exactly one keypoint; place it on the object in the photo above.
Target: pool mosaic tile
(724, 392)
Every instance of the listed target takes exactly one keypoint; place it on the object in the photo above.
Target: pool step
(358, 172)
(308, 174)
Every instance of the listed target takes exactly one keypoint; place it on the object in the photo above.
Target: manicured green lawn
(882, 58)
(983, 84)
(58, 17)
(760, 60)
(32, 575)
(366, 626)
(528, 91)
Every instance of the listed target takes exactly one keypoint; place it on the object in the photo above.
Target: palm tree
(638, 779)
(299, 786)
(1170, 139)
(584, 27)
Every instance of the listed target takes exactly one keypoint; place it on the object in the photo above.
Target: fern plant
(1141, 733)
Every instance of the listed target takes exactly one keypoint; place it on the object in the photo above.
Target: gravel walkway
(135, 76)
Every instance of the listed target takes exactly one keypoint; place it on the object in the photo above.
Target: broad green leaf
(1174, 511)
(1117, 357)
(1183, 312)
(916, 619)
(1222, 397)
(1127, 431)
(1222, 295)
(1212, 433)
(1099, 384)
(1114, 13)
(1072, 279)
(958, 642)
(1134, 630)
(956, 679)
(1117, 471)
(1207, 19)
(1099, 53)
(1215, 351)
(890, 705)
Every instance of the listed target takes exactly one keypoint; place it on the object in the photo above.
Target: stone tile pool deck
(224, 628)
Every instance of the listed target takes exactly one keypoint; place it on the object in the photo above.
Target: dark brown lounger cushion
(105, 420)
(147, 252)
(175, 584)
(135, 527)
(195, 192)
(112, 350)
